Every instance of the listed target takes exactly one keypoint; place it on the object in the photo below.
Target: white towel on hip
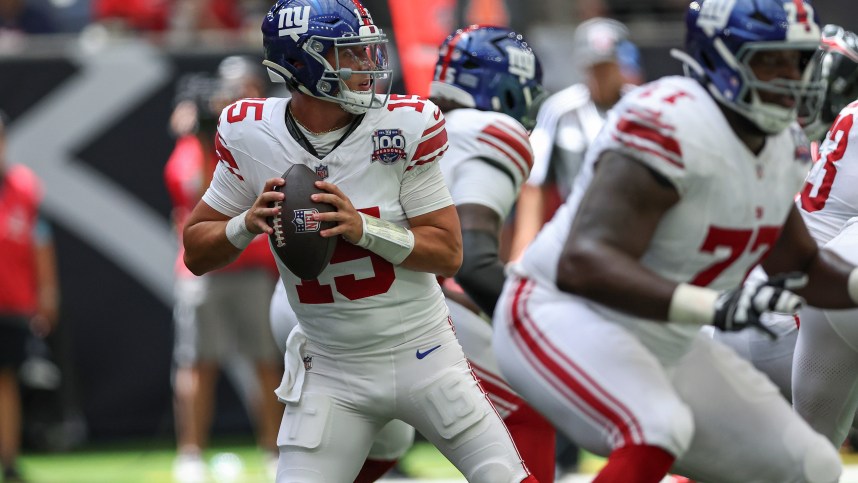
(292, 383)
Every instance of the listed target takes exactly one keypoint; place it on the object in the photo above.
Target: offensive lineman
(689, 185)
(351, 365)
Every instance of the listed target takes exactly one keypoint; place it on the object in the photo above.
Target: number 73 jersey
(829, 197)
(388, 168)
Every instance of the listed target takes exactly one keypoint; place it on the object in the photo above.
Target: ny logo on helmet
(714, 15)
(293, 21)
(521, 62)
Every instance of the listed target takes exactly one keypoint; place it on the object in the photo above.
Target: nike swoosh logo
(421, 355)
(437, 113)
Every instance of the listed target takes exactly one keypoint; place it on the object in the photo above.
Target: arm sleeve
(482, 273)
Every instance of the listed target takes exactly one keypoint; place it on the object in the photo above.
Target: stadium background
(89, 108)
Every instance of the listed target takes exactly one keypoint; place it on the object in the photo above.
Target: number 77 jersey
(387, 166)
(732, 203)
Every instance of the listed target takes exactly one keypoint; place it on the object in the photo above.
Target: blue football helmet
(491, 69)
(838, 70)
(298, 34)
(722, 38)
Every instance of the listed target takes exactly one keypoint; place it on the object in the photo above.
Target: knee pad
(814, 458)
(821, 462)
(304, 424)
(673, 433)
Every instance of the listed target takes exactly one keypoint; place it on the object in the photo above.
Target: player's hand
(257, 216)
(742, 307)
(347, 218)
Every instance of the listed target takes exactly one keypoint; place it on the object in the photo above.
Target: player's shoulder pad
(246, 115)
(423, 125)
(500, 141)
(660, 118)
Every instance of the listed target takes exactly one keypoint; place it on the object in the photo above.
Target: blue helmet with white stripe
(724, 36)
(298, 34)
(491, 69)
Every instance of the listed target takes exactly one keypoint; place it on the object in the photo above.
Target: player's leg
(825, 371)
(325, 436)
(771, 357)
(745, 431)
(533, 435)
(439, 395)
(593, 379)
(392, 441)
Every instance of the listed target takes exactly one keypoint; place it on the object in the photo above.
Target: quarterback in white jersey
(488, 159)
(689, 185)
(374, 342)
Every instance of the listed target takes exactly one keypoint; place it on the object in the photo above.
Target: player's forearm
(612, 278)
(435, 251)
(828, 284)
(528, 218)
(207, 247)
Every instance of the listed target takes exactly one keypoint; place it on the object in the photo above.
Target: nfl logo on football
(388, 146)
(304, 222)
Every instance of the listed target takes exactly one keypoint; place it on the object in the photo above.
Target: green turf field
(230, 462)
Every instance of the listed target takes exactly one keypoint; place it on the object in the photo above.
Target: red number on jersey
(312, 292)
(822, 174)
(736, 241)
(398, 100)
(238, 111)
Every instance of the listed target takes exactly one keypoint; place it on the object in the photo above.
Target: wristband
(237, 232)
(691, 304)
(387, 240)
(852, 286)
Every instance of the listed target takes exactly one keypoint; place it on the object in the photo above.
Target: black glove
(742, 307)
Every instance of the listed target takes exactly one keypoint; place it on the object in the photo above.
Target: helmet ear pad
(508, 96)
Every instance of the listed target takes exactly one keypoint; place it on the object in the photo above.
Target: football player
(820, 371)
(688, 186)
(488, 85)
(374, 342)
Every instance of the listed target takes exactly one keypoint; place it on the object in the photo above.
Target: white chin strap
(357, 102)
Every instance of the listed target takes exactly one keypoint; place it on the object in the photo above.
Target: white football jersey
(360, 300)
(732, 203)
(566, 125)
(829, 197)
(489, 158)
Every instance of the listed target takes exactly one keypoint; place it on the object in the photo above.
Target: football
(296, 240)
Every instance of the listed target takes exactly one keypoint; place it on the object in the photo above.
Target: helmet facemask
(806, 92)
(369, 52)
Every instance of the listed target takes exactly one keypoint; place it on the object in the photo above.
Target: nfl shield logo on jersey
(388, 146)
(322, 171)
(304, 222)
